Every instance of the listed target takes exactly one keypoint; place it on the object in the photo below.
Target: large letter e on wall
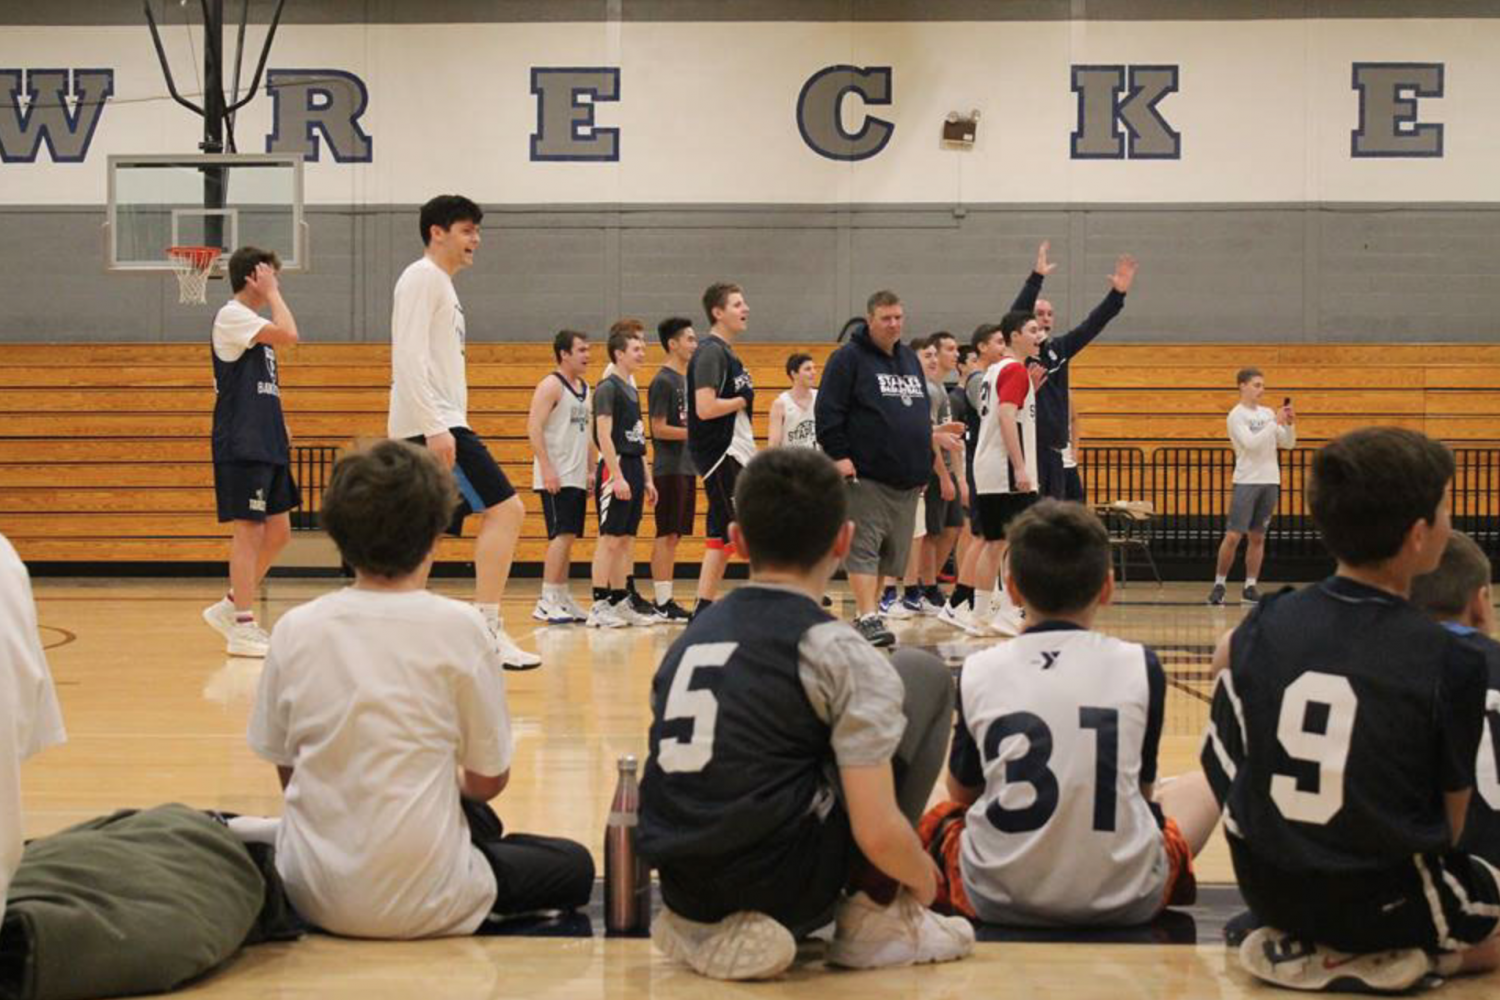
(820, 112)
(565, 102)
(1388, 125)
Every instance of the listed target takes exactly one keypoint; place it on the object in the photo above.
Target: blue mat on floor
(1202, 923)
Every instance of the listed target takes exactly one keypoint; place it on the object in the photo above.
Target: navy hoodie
(872, 408)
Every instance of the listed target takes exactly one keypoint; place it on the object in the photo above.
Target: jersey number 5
(692, 755)
(1320, 737)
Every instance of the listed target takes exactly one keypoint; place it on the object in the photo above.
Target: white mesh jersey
(798, 428)
(1060, 726)
(992, 469)
(566, 433)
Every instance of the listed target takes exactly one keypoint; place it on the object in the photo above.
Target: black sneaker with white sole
(1216, 596)
(673, 613)
(872, 627)
(1250, 595)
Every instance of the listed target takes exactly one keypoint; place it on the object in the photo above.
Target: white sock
(1219, 581)
(491, 612)
(1249, 581)
(663, 590)
(555, 591)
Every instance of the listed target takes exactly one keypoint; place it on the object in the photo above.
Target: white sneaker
(220, 616)
(931, 609)
(961, 618)
(1286, 961)
(571, 607)
(630, 616)
(248, 639)
(512, 657)
(744, 945)
(549, 612)
(898, 611)
(604, 615)
(871, 936)
(1006, 621)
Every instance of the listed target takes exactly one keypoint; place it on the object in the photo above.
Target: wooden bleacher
(104, 448)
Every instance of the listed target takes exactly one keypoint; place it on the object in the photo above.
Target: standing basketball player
(792, 420)
(430, 402)
(1256, 432)
(721, 395)
(563, 470)
(671, 466)
(252, 450)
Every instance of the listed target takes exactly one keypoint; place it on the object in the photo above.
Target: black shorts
(616, 516)
(997, 510)
(482, 484)
(676, 504)
(564, 510)
(941, 514)
(1073, 486)
(1437, 902)
(1049, 472)
(254, 491)
(719, 485)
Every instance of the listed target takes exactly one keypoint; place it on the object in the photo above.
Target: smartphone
(1287, 401)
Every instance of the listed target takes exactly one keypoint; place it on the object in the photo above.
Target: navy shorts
(482, 484)
(254, 491)
(564, 510)
(621, 517)
(997, 510)
(719, 485)
(676, 504)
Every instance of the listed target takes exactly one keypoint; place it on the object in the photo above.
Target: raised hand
(1124, 274)
(1042, 266)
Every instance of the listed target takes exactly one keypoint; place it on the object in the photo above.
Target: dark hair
(244, 261)
(1013, 322)
(716, 296)
(564, 341)
(941, 335)
(982, 335)
(620, 336)
(790, 506)
(919, 344)
(1059, 556)
(1246, 374)
(1447, 590)
(795, 362)
(670, 329)
(385, 506)
(966, 352)
(445, 210)
(1370, 486)
(880, 299)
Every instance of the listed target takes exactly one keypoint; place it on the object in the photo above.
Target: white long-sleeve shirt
(429, 388)
(1256, 435)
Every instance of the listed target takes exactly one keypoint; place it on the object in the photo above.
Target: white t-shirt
(1256, 435)
(30, 720)
(235, 329)
(429, 389)
(376, 699)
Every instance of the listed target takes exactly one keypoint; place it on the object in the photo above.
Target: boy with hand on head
(790, 760)
(621, 486)
(1054, 758)
(1342, 739)
(251, 447)
(1458, 595)
(383, 708)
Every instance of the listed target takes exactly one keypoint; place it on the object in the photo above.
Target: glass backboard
(227, 201)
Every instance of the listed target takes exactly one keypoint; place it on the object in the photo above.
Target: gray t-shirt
(667, 399)
(942, 413)
(617, 399)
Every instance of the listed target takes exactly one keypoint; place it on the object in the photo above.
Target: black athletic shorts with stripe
(482, 484)
(616, 516)
(1437, 902)
(564, 511)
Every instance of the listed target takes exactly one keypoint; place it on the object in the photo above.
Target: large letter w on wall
(47, 110)
(820, 112)
(1101, 112)
(306, 102)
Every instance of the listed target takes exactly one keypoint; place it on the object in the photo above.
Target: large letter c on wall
(820, 112)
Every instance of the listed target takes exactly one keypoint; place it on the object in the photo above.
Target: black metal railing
(311, 466)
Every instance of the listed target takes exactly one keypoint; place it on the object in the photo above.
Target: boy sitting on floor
(1052, 819)
(383, 708)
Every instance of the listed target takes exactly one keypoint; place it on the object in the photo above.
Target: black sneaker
(827, 601)
(672, 613)
(640, 605)
(874, 631)
(1239, 927)
(1250, 595)
(1216, 596)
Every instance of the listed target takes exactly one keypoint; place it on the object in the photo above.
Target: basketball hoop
(192, 266)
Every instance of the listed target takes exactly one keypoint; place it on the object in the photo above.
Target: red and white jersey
(1005, 381)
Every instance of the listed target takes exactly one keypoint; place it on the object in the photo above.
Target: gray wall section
(1276, 273)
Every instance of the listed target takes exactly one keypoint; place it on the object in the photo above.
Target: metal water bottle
(627, 878)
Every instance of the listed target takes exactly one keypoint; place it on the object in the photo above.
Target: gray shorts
(1252, 507)
(884, 520)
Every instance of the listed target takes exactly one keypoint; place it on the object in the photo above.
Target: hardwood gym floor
(156, 713)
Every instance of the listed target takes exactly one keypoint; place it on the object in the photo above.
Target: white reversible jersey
(992, 468)
(566, 434)
(798, 428)
(1061, 726)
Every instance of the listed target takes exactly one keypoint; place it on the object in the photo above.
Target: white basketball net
(192, 266)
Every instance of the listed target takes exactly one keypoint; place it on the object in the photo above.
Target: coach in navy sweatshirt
(873, 420)
(1052, 430)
